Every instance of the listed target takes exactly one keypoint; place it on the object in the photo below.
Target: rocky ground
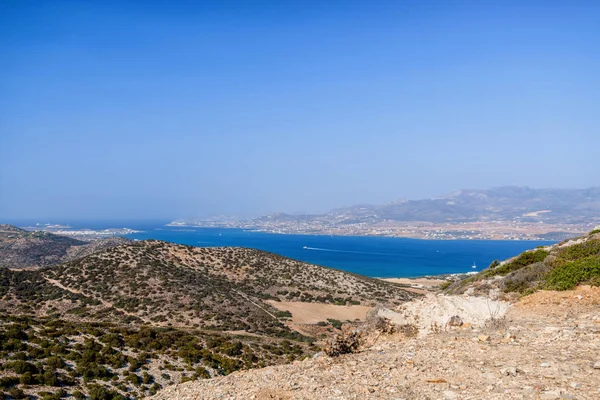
(547, 346)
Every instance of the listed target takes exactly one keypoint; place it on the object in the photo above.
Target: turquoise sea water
(371, 256)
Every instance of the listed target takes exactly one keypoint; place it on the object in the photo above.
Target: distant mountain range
(504, 203)
(510, 212)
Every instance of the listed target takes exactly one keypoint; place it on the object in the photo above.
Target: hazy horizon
(180, 110)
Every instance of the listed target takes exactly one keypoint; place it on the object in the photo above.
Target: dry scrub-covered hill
(23, 249)
(216, 288)
(134, 318)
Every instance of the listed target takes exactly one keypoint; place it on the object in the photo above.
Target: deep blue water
(371, 256)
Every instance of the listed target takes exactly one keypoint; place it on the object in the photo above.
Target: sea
(381, 257)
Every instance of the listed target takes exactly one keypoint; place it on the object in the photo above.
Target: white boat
(474, 266)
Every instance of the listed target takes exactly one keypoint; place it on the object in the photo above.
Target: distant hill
(131, 319)
(21, 249)
(570, 206)
(511, 212)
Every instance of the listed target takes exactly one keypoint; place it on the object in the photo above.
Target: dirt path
(255, 304)
(104, 302)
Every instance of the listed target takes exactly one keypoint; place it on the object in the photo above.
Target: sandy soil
(311, 313)
(433, 312)
(415, 281)
(561, 304)
(415, 290)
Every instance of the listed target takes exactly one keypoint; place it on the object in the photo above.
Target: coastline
(414, 230)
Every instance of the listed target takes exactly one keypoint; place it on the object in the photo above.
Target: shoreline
(448, 237)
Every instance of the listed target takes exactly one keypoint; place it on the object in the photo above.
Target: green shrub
(570, 274)
(133, 379)
(54, 362)
(579, 251)
(78, 395)
(335, 323)
(53, 396)
(21, 367)
(49, 379)
(28, 379)
(284, 314)
(97, 392)
(8, 381)
(523, 260)
(147, 378)
(16, 393)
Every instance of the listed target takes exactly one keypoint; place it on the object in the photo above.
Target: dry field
(312, 313)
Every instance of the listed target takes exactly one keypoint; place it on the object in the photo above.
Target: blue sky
(180, 109)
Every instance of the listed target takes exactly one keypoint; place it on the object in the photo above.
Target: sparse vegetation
(127, 321)
(561, 267)
(525, 259)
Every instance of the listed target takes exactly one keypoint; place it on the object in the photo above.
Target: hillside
(24, 249)
(143, 315)
(217, 288)
(558, 267)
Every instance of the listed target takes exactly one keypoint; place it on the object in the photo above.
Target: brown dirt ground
(311, 313)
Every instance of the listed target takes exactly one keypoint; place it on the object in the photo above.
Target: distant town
(488, 230)
(86, 234)
(503, 213)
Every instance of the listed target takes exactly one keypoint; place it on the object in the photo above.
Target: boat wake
(342, 251)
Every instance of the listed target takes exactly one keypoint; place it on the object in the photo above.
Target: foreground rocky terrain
(178, 322)
(547, 346)
(525, 328)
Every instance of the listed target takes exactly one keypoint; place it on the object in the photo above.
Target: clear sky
(168, 109)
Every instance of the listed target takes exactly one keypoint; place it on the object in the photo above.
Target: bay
(382, 257)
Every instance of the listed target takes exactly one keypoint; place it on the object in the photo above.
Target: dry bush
(384, 325)
(494, 322)
(348, 341)
(408, 330)
(437, 328)
(380, 325)
(525, 279)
